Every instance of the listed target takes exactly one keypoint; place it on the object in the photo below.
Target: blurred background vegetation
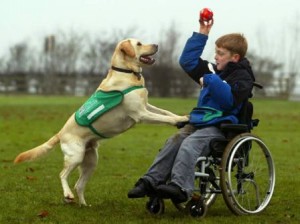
(70, 63)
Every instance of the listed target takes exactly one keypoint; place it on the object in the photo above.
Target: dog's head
(132, 54)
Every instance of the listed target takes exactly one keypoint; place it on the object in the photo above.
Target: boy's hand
(201, 82)
(205, 26)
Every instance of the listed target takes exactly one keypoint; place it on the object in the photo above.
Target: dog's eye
(139, 44)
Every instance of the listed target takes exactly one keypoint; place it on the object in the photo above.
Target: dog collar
(137, 74)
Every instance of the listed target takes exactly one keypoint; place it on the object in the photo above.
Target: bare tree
(61, 58)
(276, 61)
(167, 78)
(65, 55)
(18, 58)
(77, 61)
(264, 69)
(292, 50)
(99, 51)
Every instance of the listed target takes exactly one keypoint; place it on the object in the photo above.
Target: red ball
(206, 14)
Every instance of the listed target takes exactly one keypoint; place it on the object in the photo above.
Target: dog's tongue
(147, 59)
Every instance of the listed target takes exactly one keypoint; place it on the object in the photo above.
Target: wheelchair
(240, 168)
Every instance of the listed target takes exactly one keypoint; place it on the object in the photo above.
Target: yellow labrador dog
(80, 135)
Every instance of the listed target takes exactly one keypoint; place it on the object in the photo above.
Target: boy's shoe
(172, 191)
(141, 189)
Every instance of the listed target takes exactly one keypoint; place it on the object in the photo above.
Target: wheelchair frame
(240, 167)
(244, 173)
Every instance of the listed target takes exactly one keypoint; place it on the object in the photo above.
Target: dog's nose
(156, 46)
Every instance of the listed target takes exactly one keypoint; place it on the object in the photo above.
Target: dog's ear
(127, 48)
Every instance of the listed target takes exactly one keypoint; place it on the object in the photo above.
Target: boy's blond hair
(236, 43)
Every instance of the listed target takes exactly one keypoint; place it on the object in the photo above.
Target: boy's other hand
(201, 81)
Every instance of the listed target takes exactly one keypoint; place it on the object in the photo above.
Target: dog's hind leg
(73, 157)
(87, 168)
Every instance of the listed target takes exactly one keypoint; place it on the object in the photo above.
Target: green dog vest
(99, 103)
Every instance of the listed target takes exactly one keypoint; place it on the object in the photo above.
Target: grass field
(31, 192)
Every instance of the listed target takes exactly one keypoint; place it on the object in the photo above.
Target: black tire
(155, 206)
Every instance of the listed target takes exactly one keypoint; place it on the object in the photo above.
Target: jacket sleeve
(190, 60)
(219, 91)
(241, 86)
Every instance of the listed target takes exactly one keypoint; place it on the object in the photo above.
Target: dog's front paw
(185, 118)
(182, 121)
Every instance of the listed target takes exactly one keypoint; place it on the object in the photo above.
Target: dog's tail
(38, 151)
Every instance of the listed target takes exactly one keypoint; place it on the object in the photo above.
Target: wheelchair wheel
(247, 175)
(155, 206)
(198, 209)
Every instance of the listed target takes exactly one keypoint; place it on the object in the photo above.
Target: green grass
(31, 188)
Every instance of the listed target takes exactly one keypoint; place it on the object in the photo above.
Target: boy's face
(223, 56)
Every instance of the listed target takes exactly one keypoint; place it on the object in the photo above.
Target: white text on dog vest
(94, 112)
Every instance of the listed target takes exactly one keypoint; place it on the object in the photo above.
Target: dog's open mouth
(147, 59)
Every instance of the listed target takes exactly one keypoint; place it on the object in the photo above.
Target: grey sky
(32, 20)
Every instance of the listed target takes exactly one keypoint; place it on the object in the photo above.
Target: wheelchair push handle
(258, 85)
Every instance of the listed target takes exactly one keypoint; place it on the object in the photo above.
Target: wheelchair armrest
(232, 130)
(239, 128)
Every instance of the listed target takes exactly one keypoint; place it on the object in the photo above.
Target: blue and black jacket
(223, 92)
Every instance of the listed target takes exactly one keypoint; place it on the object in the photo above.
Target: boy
(225, 86)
